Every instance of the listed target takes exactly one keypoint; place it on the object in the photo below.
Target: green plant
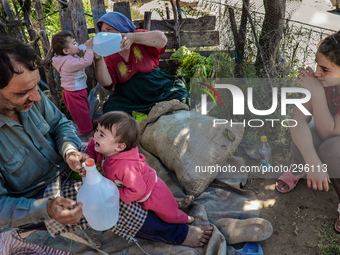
(159, 11)
(329, 243)
(135, 10)
(52, 20)
(88, 10)
(193, 65)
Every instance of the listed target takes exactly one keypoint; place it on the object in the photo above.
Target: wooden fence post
(98, 10)
(46, 47)
(167, 12)
(147, 20)
(81, 34)
(124, 8)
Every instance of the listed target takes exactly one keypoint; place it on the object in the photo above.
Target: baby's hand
(89, 44)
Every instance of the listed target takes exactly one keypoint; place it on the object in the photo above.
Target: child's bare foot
(190, 219)
(198, 236)
(185, 202)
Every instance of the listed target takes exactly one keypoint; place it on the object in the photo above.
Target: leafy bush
(192, 64)
(52, 22)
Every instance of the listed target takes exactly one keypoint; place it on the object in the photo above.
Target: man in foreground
(37, 143)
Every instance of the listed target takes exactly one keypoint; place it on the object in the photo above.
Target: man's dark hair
(127, 129)
(59, 41)
(14, 51)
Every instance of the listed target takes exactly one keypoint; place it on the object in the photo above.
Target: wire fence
(298, 44)
(297, 48)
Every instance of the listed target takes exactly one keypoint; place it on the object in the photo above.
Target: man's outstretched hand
(74, 159)
(59, 209)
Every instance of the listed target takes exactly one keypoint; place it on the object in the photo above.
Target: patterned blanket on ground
(12, 244)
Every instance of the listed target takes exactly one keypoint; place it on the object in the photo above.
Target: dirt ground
(302, 218)
(297, 217)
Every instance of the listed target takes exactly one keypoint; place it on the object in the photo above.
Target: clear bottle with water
(266, 154)
(100, 198)
(82, 47)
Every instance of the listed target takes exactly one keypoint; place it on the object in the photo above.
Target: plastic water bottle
(100, 198)
(82, 47)
(105, 44)
(266, 154)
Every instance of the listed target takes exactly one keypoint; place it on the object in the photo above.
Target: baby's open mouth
(97, 144)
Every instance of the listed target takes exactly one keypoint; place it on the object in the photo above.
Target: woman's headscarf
(118, 21)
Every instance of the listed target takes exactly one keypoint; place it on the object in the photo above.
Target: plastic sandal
(248, 230)
(290, 179)
(250, 249)
(336, 223)
(250, 150)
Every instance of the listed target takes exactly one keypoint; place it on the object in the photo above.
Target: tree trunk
(65, 24)
(242, 32)
(46, 47)
(98, 10)
(65, 16)
(13, 30)
(19, 21)
(271, 34)
(238, 60)
(177, 24)
(27, 10)
(81, 35)
(78, 21)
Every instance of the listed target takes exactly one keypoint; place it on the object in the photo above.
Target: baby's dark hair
(330, 48)
(59, 41)
(127, 129)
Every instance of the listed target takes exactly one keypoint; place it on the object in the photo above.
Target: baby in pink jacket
(73, 78)
(114, 147)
